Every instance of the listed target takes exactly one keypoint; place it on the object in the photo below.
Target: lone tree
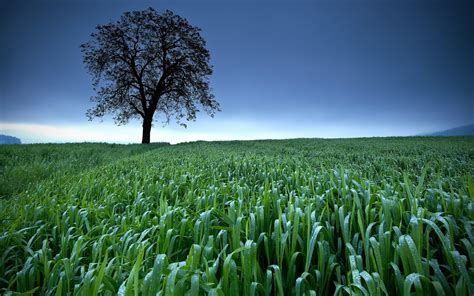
(148, 63)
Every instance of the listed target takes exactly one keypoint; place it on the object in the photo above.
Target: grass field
(24, 165)
(305, 217)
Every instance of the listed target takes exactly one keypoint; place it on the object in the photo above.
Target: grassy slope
(279, 216)
(23, 166)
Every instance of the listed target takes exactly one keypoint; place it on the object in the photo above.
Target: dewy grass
(318, 217)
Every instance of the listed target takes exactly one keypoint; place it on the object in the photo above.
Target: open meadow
(374, 216)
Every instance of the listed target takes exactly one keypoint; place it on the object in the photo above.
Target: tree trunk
(146, 131)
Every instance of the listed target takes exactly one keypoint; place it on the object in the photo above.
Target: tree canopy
(148, 63)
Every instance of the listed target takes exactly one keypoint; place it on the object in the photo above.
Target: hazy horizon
(316, 69)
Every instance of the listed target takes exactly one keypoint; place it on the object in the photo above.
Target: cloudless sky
(282, 69)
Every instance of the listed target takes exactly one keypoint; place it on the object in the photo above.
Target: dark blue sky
(282, 68)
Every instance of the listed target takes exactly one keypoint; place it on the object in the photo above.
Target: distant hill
(4, 139)
(466, 130)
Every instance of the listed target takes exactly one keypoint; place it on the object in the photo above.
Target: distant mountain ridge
(465, 130)
(4, 139)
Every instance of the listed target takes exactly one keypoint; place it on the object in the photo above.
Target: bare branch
(148, 62)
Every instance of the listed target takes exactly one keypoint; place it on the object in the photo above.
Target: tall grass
(22, 166)
(317, 217)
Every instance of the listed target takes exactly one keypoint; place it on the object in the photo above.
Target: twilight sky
(282, 69)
